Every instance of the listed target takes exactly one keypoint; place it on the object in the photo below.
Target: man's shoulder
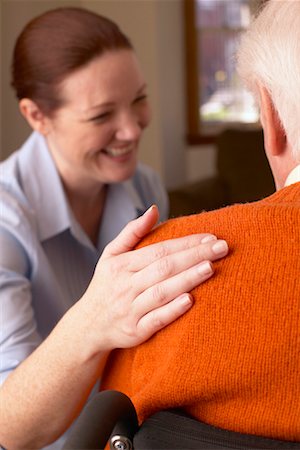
(204, 222)
(234, 220)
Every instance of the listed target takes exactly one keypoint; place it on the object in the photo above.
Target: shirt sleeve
(18, 336)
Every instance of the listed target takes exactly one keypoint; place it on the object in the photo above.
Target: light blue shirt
(46, 259)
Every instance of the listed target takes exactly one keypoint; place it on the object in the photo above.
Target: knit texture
(233, 361)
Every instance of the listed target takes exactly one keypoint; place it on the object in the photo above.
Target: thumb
(134, 231)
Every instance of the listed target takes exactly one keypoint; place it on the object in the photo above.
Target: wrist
(84, 338)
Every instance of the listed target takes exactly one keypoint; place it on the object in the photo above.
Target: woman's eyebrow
(99, 105)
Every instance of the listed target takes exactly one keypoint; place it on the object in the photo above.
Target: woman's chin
(119, 169)
(118, 175)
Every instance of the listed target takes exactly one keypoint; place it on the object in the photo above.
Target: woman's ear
(34, 116)
(274, 134)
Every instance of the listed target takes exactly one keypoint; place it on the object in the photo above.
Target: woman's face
(94, 137)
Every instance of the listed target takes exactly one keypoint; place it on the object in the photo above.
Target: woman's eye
(101, 117)
(141, 98)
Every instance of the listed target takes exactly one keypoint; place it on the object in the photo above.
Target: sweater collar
(293, 177)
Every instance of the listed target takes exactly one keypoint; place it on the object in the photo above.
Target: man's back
(234, 360)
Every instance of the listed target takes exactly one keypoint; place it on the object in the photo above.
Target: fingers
(162, 293)
(143, 257)
(159, 318)
(134, 231)
(173, 264)
(138, 292)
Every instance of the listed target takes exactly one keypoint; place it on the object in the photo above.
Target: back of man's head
(269, 55)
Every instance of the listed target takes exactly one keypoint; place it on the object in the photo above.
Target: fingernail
(205, 268)
(220, 248)
(208, 238)
(149, 209)
(185, 300)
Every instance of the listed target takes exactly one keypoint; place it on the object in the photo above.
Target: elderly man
(234, 360)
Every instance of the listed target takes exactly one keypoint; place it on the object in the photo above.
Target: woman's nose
(129, 128)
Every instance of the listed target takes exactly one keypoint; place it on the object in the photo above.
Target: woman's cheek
(146, 115)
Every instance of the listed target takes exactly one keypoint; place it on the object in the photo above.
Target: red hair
(55, 44)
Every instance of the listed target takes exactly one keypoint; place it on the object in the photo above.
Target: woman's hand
(135, 293)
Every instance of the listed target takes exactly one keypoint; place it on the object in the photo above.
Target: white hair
(269, 54)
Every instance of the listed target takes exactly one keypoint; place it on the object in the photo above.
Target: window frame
(194, 134)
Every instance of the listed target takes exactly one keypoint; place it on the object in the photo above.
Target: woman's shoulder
(11, 167)
(13, 199)
(16, 213)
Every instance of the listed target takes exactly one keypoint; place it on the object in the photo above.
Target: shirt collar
(293, 177)
(44, 190)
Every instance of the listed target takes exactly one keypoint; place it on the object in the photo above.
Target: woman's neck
(87, 207)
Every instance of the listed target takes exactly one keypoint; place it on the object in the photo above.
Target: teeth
(119, 151)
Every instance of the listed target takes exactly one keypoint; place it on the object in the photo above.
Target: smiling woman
(65, 197)
(95, 111)
(108, 120)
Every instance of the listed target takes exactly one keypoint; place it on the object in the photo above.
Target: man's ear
(274, 134)
(34, 116)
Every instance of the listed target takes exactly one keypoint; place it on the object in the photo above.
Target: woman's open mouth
(118, 152)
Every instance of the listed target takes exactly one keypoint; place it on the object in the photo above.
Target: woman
(65, 195)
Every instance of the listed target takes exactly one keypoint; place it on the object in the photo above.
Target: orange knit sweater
(233, 360)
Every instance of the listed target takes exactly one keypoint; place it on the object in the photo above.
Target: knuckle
(157, 321)
(160, 251)
(165, 267)
(188, 280)
(127, 326)
(130, 226)
(116, 265)
(203, 252)
(130, 331)
(107, 251)
(194, 240)
(158, 295)
(143, 329)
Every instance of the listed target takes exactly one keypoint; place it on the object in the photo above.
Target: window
(216, 98)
